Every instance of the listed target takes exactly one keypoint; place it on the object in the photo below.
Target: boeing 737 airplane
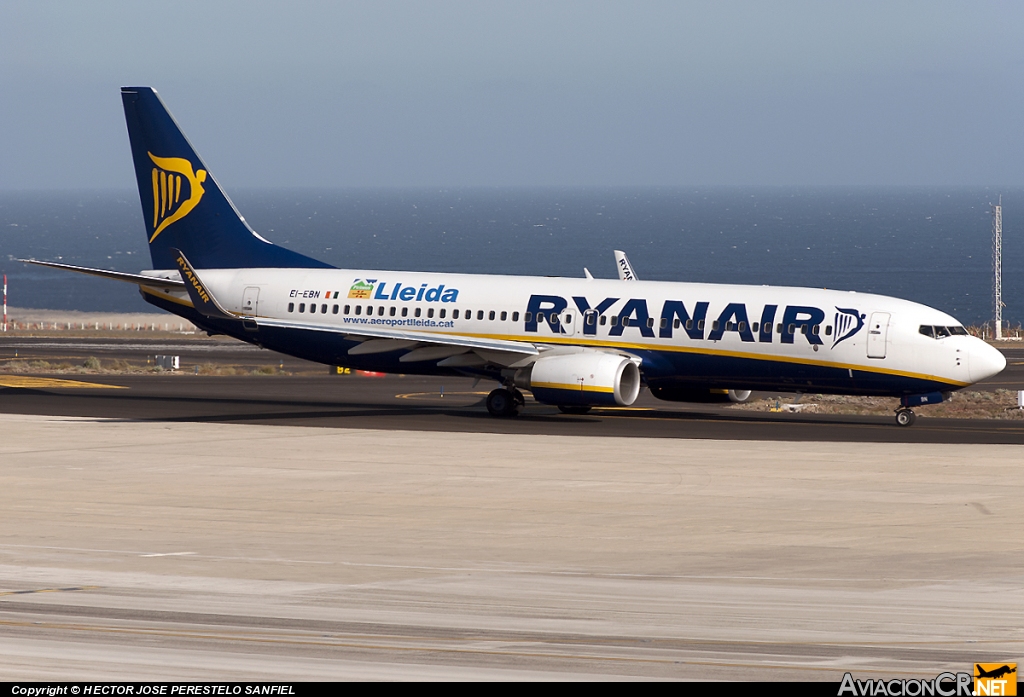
(574, 343)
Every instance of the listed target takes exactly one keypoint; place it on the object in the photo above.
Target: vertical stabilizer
(182, 205)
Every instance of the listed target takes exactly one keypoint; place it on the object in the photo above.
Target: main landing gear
(905, 417)
(505, 402)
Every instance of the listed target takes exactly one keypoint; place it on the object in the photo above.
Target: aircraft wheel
(502, 402)
(905, 417)
(565, 409)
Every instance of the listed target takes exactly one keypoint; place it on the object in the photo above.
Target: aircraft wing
(141, 279)
(438, 338)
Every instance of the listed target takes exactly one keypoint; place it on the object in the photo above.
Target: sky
(446, 94)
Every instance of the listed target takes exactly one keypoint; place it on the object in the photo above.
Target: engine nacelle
(590, 378)
(702, 396)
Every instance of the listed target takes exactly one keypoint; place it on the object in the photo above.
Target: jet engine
(589, 378)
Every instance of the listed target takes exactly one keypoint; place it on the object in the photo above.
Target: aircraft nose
(985, 361)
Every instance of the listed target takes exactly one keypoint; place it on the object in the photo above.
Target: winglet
(624, 267)
(202, 298)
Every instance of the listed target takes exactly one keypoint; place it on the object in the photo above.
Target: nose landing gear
(905, 417)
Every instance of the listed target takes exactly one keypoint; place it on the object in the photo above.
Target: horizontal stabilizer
(140, 279)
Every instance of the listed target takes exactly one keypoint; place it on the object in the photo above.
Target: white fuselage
(720, 335)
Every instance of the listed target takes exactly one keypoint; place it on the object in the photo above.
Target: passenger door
(878, 333)
(250, 300)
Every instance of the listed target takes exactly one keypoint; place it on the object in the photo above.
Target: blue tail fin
(182, 204)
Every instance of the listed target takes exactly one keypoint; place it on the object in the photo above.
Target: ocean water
(930, 245)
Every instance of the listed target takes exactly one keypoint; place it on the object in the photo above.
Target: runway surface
(212, 551)
(448, 405)
(310, 397)
(320, 527)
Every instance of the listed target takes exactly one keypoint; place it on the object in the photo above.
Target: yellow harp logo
(168, 206)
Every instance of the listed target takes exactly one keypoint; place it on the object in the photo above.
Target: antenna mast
(997, 267)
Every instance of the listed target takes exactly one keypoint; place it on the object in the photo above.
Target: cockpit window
(942, 332)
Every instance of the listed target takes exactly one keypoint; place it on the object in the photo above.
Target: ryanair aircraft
(573, 343)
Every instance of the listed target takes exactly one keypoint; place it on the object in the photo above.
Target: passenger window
(792, 329)
(615, 320)
(312, 307)
(479, 314)
(553, 319)
(700, 326)
(526, 317)
(347, 309)
(405, 312)
(650, 322)
(430, 312)
(302, 307)
(803, 329)
(590, 320)
(417, 312)
(515, 316)
(828, 330)
(391, 312)
(455, 314)
(603, 320)
(490, 316)
(291, 307)
(469, 314)
(714, 326)
(743, 326)
(815, 329)
(359, 309)
(540, 317)
(504, 316)
(689, 324)
(442, 313)
(568, 318)
(675, 323)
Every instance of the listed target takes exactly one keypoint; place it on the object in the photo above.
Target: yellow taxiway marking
(431, 395)
(40, 383)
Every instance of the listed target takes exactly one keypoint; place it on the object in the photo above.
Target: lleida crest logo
(362, 290)
(847, 322)
(176, 191)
